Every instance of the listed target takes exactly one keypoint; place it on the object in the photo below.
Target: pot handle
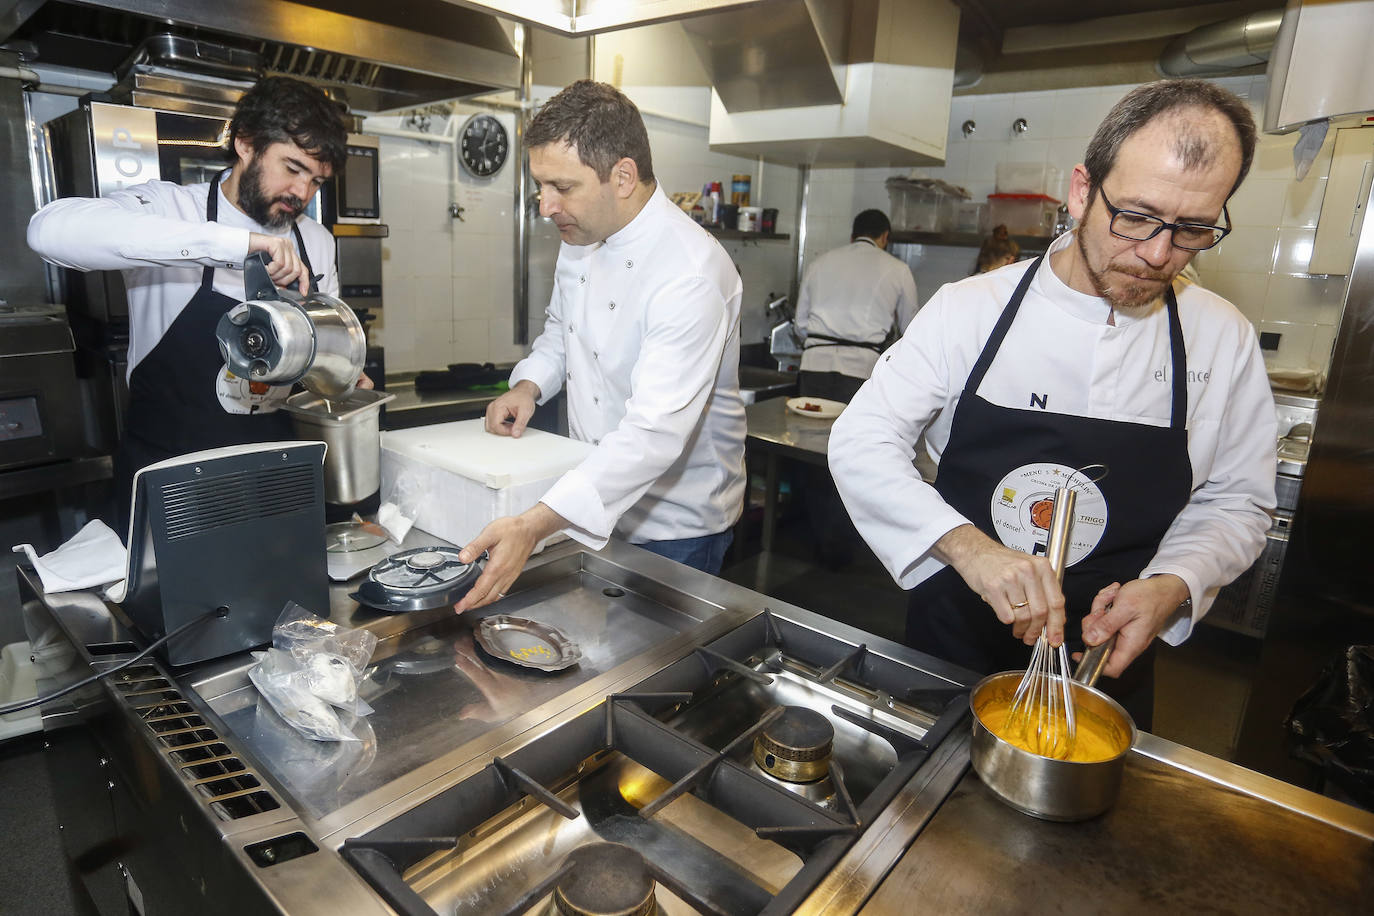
(1093, 661)
(257, 284)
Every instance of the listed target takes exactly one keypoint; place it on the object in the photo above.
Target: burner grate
(646, 728)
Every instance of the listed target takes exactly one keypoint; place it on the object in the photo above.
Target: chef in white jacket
(1024, 377)
(643, 330)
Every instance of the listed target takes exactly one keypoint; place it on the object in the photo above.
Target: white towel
(94, 557)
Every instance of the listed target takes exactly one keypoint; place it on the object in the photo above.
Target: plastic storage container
(922, 205)
(970, 216)
(1023, 214)
(454, 478)
(1027, 178)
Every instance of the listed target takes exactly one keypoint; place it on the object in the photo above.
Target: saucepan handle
(257, 283)
(1093, 661)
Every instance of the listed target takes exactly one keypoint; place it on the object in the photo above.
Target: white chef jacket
(1061, 350)
(645, 328)
(858, 292)
(157, 236)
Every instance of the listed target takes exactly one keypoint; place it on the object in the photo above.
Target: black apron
(173, 405)
(1148, 483)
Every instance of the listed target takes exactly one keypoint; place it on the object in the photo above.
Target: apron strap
(999, 331)
(829, 341)
(1178, 412)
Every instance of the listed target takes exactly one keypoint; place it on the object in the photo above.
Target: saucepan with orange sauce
(1082, 785)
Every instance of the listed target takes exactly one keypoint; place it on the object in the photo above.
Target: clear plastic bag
(284, 685)
(313, 666)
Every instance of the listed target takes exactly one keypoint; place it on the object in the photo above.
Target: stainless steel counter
(1189, 833)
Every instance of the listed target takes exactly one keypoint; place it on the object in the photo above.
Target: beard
(1131, 290)
(259, 206)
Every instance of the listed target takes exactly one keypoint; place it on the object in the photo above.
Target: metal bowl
(1043, 787)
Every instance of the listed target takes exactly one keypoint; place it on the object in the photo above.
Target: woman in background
(998, 251)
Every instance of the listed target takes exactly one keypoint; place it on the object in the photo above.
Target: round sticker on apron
(1023, 503)
(239, 395)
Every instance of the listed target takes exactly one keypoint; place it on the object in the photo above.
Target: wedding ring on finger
(1020, 604)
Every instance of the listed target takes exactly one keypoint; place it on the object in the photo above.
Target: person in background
(181, 250)
(643, 326)
(998, 250)
(1022, 379)
(851, 301)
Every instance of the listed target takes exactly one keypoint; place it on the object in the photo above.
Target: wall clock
(483, 145)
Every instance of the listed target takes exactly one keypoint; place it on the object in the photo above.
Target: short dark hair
(1143, 104)
(279, 109)
(600, 121)
(870, 224)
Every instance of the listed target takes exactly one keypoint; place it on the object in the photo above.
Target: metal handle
(1061, 521)
(257, 284)
(1093, 661)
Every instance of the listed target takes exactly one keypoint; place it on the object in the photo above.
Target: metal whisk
(1042, 712)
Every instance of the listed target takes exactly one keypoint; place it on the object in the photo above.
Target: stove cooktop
(738, 775)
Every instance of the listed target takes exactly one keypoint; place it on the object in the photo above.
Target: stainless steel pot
(279, 337)
(1055, 790)
(351, 431)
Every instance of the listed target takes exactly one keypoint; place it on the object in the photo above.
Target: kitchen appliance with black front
(1244, 606)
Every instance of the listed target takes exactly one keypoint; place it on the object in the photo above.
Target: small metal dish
(527, 643)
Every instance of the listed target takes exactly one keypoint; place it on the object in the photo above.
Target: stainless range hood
(381, 56)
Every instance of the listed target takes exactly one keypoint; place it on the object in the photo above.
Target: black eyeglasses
(1141, 227)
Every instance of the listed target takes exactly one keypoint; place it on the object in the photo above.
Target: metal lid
(606, 879)
(417, 580)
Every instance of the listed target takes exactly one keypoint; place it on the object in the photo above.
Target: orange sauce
(1094, 740)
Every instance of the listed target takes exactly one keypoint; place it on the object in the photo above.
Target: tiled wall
(448, 284)
(1260, 267)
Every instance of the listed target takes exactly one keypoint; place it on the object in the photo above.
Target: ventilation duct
(1222, 46)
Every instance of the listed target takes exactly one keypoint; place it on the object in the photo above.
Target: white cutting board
(467, 449)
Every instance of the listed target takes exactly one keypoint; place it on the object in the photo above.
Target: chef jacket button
(596, 399)
(572, 329)
(613, 306)
(582, 279)
(185, 253)
(594, 355)
(629, 264)
(570, 375)
(596, 442)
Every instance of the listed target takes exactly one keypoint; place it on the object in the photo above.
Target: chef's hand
(285, 266)
(1135, 612)
(508, 542)
(363, 381)
(1021, 589)
(510, 413)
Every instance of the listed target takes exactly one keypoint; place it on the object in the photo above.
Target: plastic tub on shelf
(922, 205)
(1027, 178)
(1023, 214)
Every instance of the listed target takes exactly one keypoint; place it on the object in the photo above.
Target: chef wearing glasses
(1091, 367)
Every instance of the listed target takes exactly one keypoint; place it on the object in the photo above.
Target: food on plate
(809, 406)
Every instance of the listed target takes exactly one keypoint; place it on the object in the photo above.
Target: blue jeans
(705, 553)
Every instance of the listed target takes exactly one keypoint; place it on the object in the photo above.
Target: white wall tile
(1303, 202)
(1246, 291)
(1294, 251)
(1295, 344)
(1248, 248)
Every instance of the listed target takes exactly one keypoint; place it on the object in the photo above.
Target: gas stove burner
(417, 580)
(606, 879)
(795, 747)
(346, 537)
